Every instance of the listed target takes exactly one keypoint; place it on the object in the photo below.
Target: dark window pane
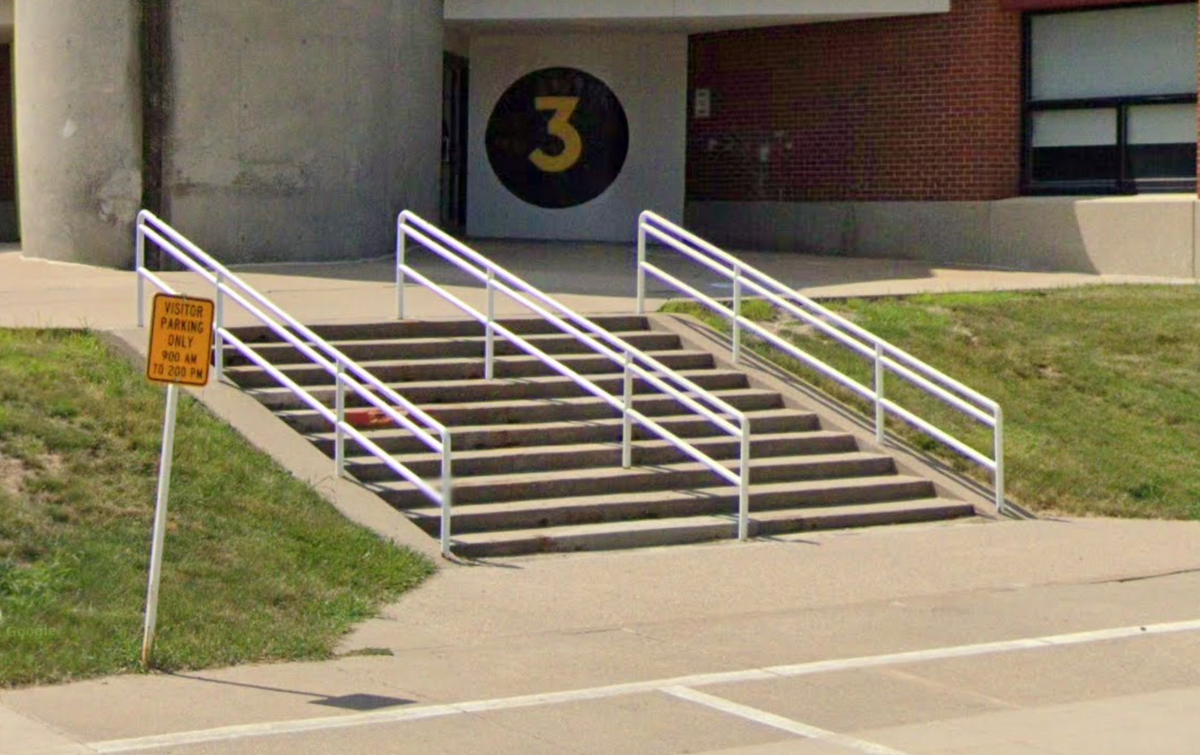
(1090, 163)
(1162, 160)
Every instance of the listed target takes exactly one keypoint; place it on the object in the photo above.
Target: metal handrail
(633, 361)
(345, 371)
(885, 356)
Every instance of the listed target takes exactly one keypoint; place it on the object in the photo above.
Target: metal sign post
(181, 335)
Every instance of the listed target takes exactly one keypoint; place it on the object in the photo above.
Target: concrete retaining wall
(1152, 235)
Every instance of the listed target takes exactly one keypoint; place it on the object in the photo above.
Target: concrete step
(457, 346)
(592, 431)
(433, 393)
(666, 504)
(398, 329)
(591, 455)
(650, 533)
(396, 371)
(550, 410)
(561, 483)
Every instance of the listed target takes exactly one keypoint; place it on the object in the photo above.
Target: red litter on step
(368, 419)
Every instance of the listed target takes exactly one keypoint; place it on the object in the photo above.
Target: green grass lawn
(1100, 387)
(257, 565)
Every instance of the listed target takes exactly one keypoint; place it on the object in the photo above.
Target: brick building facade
(926, 108)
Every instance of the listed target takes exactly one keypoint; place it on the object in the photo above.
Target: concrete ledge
(1149, 235)
(269, 434)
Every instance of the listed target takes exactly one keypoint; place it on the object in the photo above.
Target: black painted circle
(517, 130)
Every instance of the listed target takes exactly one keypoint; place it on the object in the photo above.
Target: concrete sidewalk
(591, 278)
(1078, 636)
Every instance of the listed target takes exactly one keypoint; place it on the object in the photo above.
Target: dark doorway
(9, 231)
(455, 75)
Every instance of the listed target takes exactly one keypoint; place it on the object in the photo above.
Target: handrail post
(140, 262)
(219, 340)
(641, 267)
(737, 314)
(339, 447)
(401, 261)
(880, 415)
(489, 349)
(627, 417)
(744, 486)
(999, 457)
(447, 494)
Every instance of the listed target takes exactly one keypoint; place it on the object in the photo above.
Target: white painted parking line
(779, 722)
(416, 713)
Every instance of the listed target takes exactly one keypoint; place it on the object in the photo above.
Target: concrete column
(78, 128)
(300, 129)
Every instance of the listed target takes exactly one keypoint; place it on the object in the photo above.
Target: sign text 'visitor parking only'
(181, 334)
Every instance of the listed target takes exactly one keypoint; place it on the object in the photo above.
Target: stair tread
(401, 386)
(653, 496)
(509, 359)
(600, 473)
(759, 414)
(524, 403)
(486, 453)
(719, 525)
(340, 342)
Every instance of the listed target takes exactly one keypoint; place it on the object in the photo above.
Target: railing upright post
(744, 486)
(447, 494)
(627, 416)
(489, 349)
(641, 267)
(737, 314)
(999, 457)
(219, 338)
(339, 442)
(880, 415)
(140, 262)
(401, 261)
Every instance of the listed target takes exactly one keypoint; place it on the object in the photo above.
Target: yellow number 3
(560, 127)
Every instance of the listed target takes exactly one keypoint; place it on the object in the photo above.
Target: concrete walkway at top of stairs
(1052, 636)
(591, 278)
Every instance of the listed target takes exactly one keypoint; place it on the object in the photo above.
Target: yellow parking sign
(181, 334)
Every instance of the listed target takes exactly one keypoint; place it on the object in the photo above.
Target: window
(1110, 103)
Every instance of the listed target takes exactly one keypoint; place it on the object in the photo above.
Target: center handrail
(632, 360)
(886, 356)
(345, 371)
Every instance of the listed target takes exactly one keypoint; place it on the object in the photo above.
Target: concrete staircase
(537, 462)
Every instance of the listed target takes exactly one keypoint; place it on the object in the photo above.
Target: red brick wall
(8, 189)
(919, 108)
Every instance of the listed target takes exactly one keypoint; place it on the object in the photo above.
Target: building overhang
(691, 16)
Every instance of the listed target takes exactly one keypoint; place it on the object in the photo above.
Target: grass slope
(257, 565)
(1100, 387)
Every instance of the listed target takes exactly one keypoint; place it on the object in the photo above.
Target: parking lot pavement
(1044, 637)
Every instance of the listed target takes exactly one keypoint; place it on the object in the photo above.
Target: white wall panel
(648, 74)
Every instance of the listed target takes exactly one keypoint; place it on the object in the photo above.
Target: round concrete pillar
(78, 128)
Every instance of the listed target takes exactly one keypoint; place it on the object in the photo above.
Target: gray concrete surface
(1052, 636)
(293, 130)
(1151, 234)
(78, 125)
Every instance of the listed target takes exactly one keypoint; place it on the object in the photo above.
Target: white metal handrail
(885, 356)
(632, 361)
(345, 372)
